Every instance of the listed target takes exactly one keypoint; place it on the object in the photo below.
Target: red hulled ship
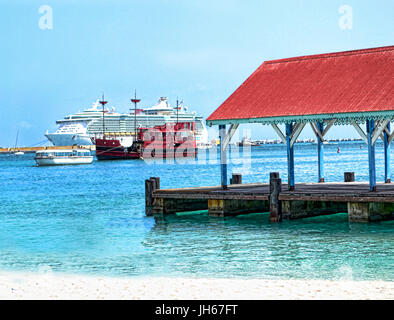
(172, 140)
(110, 148)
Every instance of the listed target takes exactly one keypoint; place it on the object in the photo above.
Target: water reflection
(325, 247)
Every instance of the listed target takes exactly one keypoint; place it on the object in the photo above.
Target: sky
(197, 50)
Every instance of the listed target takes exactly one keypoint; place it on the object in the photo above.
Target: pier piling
(236, 178)
(370, 211)
(151, 185)
(275, 204)
(349, 177)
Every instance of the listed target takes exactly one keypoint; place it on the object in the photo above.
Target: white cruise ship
(81, 127)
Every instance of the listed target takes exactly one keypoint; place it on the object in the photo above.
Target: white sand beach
(14, 285)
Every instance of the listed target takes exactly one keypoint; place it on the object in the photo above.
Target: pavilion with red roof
(351, 87)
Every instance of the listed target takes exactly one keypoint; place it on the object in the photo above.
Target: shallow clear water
(90, 219)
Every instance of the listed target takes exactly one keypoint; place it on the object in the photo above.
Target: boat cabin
(63, 153)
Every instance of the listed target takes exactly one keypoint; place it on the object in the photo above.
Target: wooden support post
(229, 135)
(155, 182)
(274, 175)
(280, 134)
(148, 197)
(275, 204)
(380, 127)
(387, 169)
(320, 153)
(167, 206)
(223, 156)
(370, 211)
(151, 185)
(349, 177)
(236, 178)
(290, 156)
(232, 207)
(297, 209)
(296, 132)
(360, 132)
(371, 156)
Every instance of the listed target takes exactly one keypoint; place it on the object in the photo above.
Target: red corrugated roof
(343, 82)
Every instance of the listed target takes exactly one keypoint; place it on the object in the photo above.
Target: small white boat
(19, 153)
(63, 157)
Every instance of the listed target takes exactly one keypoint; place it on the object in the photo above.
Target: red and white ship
(110, 148)
(171, 140)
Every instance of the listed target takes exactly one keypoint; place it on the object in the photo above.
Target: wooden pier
(306, 200)
(288, 96)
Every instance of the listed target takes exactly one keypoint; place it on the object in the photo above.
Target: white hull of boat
(69, 139)
(63, 161)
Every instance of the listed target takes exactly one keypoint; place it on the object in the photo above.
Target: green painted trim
(343, 118)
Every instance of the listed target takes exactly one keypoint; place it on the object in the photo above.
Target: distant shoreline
(35, 149)
(5, 150)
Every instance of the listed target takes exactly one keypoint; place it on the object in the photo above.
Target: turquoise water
(90, 219)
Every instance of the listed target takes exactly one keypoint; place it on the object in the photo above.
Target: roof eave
(343, 118)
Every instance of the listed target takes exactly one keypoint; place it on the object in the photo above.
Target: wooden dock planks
(336, 191)
(340, 192)
(253, 191)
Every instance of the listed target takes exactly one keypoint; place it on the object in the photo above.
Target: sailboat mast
(135, 101)
(16, 140)
(103, 103)
(177, 110)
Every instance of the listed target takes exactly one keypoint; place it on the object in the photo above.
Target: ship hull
(64, 139)
(116, 155)
(63, 161)
(111, 149)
